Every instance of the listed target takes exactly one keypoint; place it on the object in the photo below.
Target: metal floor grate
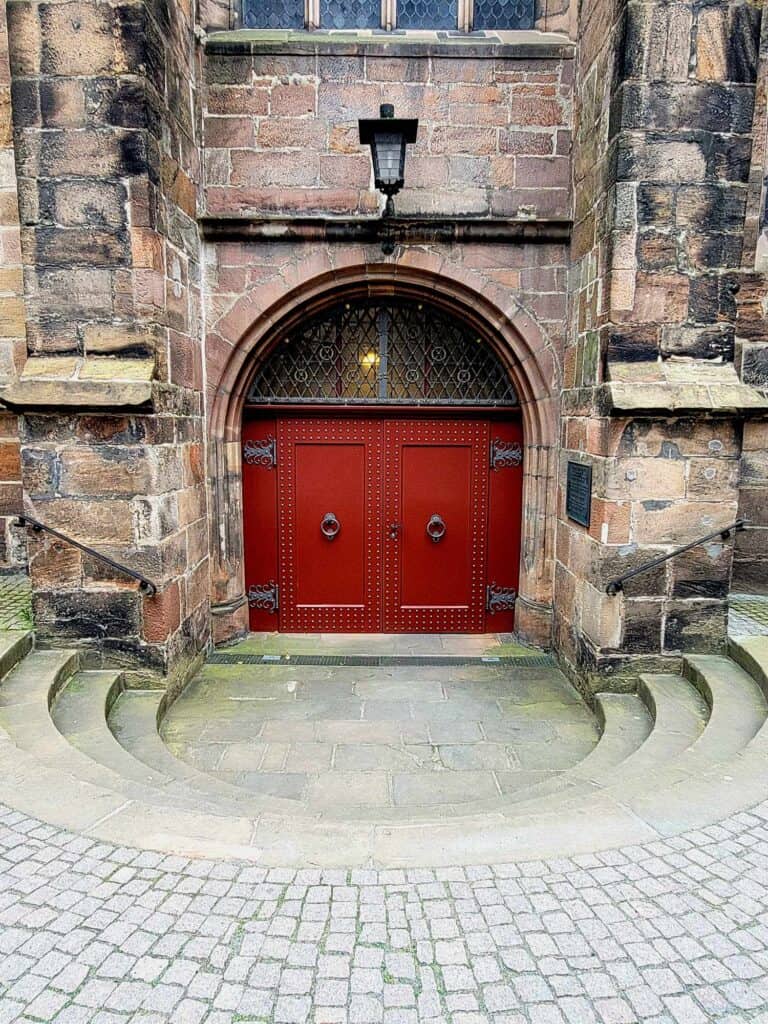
(375, 661)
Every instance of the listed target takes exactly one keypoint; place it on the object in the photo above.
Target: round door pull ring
(436, 528)
(330, 526)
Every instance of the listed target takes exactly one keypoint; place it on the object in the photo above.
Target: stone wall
(12, 337)
(281, 132)
(750, 571)
(107, 155)
(654, 402)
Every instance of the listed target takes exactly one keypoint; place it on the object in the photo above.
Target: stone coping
(673, 386)
(520, 45)
(81, 381)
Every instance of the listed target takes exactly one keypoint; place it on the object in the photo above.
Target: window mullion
(466, 13)
(312, 13)
(388, 14)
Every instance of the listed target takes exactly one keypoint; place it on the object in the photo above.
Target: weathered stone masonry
(147, 148)
(107, 157)
(12, 332)
(653, 396)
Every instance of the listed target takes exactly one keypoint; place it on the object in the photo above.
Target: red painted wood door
(367, 525)
(330, 530)
(436, 495)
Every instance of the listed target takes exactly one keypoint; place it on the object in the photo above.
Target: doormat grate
(376, 661)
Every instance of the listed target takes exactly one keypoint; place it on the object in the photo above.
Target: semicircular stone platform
(383, 761)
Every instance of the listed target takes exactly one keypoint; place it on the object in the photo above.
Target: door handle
(394, 529)
(329, 526)
(436, 528)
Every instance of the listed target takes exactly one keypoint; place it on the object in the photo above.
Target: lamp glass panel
(388, 154)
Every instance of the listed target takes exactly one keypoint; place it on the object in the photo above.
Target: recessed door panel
(330, 525)
(436, 489)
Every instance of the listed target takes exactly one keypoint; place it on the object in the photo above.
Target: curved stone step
(28, 697)
(598, 820)
(678, 715)
(662, 781)
(14, 645)
(80, 714)
(625, 724)
(751, 653)
(133, 724)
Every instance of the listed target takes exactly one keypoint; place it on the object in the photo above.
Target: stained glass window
(503, 14)
(427, 14)
(350, 14)
(273, 13)
(383, 352)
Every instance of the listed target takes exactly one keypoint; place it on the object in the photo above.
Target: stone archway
(242, 338)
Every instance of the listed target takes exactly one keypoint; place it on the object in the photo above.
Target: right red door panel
(435, 485)
(505, 502)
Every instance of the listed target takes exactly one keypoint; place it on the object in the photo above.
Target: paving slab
(393, 737)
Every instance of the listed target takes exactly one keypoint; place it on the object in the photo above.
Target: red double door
(381, 525)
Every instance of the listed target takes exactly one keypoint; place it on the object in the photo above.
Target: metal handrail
(146, 586)
(616, 585)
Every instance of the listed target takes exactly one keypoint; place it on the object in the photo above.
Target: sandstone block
(161, 614)
(696, 626)
(270, 169)
(88, 614)
(228, 132)
(234, 100)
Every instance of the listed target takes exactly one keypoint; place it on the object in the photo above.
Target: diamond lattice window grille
(427, 14)
(374, 352)
(503, 14)
(286, 14)
(341, 14)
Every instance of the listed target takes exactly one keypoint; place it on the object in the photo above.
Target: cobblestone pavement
(15, 601)
(672, 933)
(748, 615)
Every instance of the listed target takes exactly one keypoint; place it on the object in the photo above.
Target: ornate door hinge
(505, 453)
(261, 453)
(264, 596)
(499, 599)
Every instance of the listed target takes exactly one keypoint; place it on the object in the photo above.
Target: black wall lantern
(388, 137)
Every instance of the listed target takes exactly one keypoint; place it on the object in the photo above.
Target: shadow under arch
(518, 342)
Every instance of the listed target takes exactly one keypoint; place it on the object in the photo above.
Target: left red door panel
(260, 519)
(330, 525)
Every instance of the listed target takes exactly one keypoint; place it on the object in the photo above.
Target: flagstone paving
(386, 742)
(672, 933)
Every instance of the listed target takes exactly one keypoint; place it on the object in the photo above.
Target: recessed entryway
(382, 468)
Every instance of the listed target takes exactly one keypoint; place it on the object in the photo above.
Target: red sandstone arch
(242, 337)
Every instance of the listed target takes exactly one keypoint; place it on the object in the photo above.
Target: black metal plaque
(578, 493)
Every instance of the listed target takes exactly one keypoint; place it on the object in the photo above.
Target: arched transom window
(388, 352)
